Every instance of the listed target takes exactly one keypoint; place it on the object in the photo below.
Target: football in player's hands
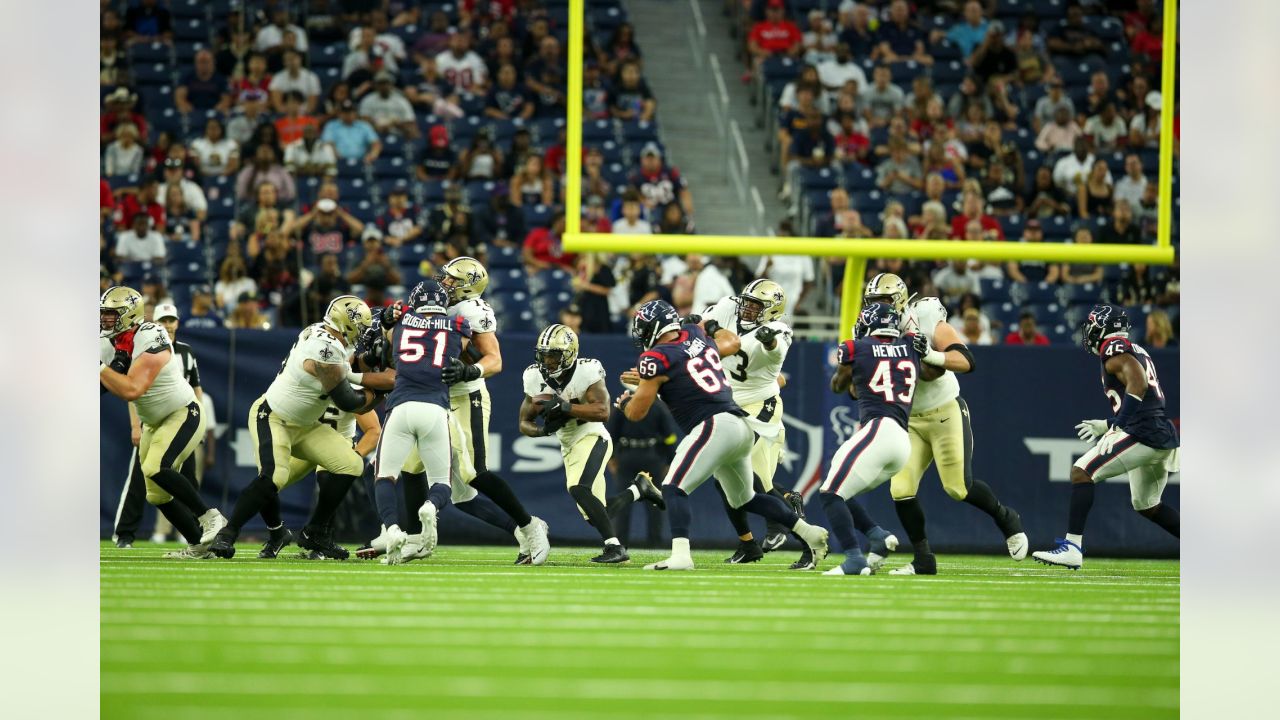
(457, 372)
(766, 334)
(920, 343)
(554, 407)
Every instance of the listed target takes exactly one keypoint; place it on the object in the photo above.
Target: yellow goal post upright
(858, 251)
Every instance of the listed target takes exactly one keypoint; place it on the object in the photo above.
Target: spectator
(933, 214)
(325, 229)
(542, 248)
(1133, 185)
(594, 282)
(309, 156)
(855, 29)
(192, 195)
(819, 42)
(247, 314)
(595, 218)
(532, 184)
(375, 270)
(154, 293)
(1047, 107)
(1148, 40)
(327, 284)
(271, 36)
(968, 95)
(883, 99)
(482, 160)
(148, 22)
(632, 99)
(1122, 229)
(125, 155)
(145, 201)
(215, 153)
(1072, 38)
(203, 88)
(993, 58)
(387, 109)
(1033, 66)
(387, 44)
(112, 65)
(1001, 193)
(401, 223)
(1138, 286)
(1159, 330)
(140, 243)
(203, 314)
(1144, 128)
(597, 100)
(252, 115)
(265, 211)
(644, 281)
(439, 161)
(972, 209)
(1072, 170)
(509, 99)
(852, 135)
(1045, 199)
(461, 67)
(1099, 93)
(1034, 271)
(1081, 273)
(673, 221)
(900, 39)
(435, 38)
(106, 202)
(972, 328)
(1027, 332)
(451, 218)
(1106, 130)
(828, 223)
(954, 280)
(548, 77)
(295, 79)
(255, 77)
(290, 125)
(1133, 99)
(794, 118)
(794, 273)
(431, 93)
(901, 173)
(120, 109)
(922, 93)
(812, 148)
(351, 137)
(838, 71)
(660, 184)
(704, 285)
(938, 162)
(619, 48)
(632, 222)
(851, 226)
(233, 281)
(1059, 135)
(232, 46)
(181, 223)
(367, 57)
(265, 168)
(971, 31)
(775, 35)
(1094, 196)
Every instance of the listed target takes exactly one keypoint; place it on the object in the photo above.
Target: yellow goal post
(857, 251)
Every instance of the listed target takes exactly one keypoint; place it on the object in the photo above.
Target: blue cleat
(854, 564)
(882, 542)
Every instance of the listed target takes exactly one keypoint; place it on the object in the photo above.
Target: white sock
(1077, 539)
(635, 492)
(679, 547)
(612, 541)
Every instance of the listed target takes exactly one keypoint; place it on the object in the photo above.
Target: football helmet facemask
(556, 350)
(119, 309)
(463, 278)
(761, 301)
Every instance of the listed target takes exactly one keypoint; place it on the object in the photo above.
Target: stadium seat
(905, 72)
(1003, 314)
(156, 52)
(1014, 226)
(191, 29)
(159, 73)
(945, 51)
(224, 208)
(864, 202)
(391, 168)
(598, 131)
(412, 254)
(776, 68)
(858, 177)
(504, 257)
(536, 216)
(326, 56)
(817, 179)
(951, 71)
(1033, 293)
(1060, 333)
(351, 168)
(185, 272)
(634, 131)
(153, 99)
(1057, 228)
(353, 189)
(509, 280)
(363, 210)
(123, 181)
(994, 291)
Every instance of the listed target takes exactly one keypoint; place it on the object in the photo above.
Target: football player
(568, 394)
(138, 365)
(286, 423)
(1139, 440)
(754, 374)
(681, 364)
(880, 368)
(939, 428)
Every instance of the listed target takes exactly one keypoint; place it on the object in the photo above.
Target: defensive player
(880, 368)
(1138, 440)
(681, 364)
(568, 394)
(285, 423)
(939, 428)
(139, 366)
(754, 374)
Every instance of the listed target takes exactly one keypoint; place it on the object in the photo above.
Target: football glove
(691, 319)
(391, 315)
(711, 328)
(121, 362)
(1091, 430)
(766, 334)
(1108, 441)
(552, 425)
(921, 344)
(458, 372)
(554, 408)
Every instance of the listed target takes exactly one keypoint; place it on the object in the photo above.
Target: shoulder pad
(151, 338)
(1115, 346)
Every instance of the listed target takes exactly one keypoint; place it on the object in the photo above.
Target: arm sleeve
(345, 397)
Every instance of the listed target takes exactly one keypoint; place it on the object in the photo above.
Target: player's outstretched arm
(727, 341)
(142, 373)
(490, 353)
(956, 355)
(636, 405)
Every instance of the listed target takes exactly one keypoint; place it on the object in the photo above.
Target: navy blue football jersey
(884, 376)
(1149, 424)
(696, 387)
(422, 347)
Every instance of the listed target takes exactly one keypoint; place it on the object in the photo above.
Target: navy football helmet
(878, 319)
(1103, 322)
(652, 320)
(429, 297)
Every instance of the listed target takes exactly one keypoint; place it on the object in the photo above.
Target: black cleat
(224, 544)
(124, 543)
(748, 551)
(796, 501)
(805, 562)
(648, 491)
(919, 565)
(276, 541)
(367, 552)
(320, 542)
(524, 559)
(613, 554)
(774, 538)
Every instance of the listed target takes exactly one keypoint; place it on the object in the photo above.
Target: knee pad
(352, 465)
(156, 496)
(956, 493)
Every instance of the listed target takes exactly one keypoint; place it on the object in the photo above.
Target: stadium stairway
(681, 75)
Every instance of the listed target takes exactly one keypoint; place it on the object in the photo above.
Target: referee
(133, 497)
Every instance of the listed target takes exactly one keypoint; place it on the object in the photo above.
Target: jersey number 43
(882, 380)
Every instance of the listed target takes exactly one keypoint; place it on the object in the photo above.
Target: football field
(467, 635)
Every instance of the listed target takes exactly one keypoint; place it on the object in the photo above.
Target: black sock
(482, 508)
(271, 511)
(252, 499)
(385, 501)
(620, 502)
(333, 488)
(911, 515)
(500, 492)
(1162, 515)
(861, 518)
(591, 506)
(181, 518)
(981, 497)
(737, 516)
(679, 515)
(415, 493)
(438, 495)
(182, 489)
(841, 522)
(1081, 503)
(772, 508)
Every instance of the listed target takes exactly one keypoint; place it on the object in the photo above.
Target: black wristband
(711, 327)
(963, 350)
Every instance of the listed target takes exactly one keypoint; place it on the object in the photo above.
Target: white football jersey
(297, 395)
(170, 391)
(753, 370)
(341, 420)
(480, 315)
(586, 372)
(463, 73)
(922, 318)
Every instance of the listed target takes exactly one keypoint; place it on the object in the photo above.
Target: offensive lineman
(753, 373)
(937, 403)
(285, 423)
(681, 364)
(1138, 441)
(138, 365)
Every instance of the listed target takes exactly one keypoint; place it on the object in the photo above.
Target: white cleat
(523, 557)
(816, 538)
(1064, 554)
(879, 552)
(1017, 546)
(210, 523)
(414, 549)
(539, 545)
(157, 538)
(393, 539)
(684, 562)
(839, 570)
(428, 515)
(907, 569)
(190, 552)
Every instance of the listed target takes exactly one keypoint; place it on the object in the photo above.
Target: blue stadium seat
(779, 68)
(1004, 314)
(1108, 29)
(351, 168)
(612, 152)
(1047, 314)
(433, 192)
(391, 168)
(950, 71)
(188, 9)
(190, 271)
(1046, 8)
(994, 291)
(1074, 73)
(509, 280)
(864, 202)
(160, 73)
(326, 56)
(154, 99)
(858, 177)
(945, 51)
(386, 186)
(414, 253)
(817, 201)
(546, 130)
(190, 30)
(1059, 333)
(1150, 162)
(634, 131)
(156, 52)
(1014, 225)
(186, 252)
(1057, 228)
(607, 18)
(598, 131)
(504, 257)
(905, 72)
(363, 210)
(536, 216)
(1034, 293)
(123, 181)
(817, 179)
(353, 189)
(224, 208)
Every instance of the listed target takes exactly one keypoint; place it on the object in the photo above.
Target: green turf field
(466, 635)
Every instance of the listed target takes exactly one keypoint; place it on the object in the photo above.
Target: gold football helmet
(464, 278)
(349, 317)
(761, 301)
(887, 288)
(556, 342)
(119, 309)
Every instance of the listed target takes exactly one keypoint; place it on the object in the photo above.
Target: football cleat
(879, 550)
(649, 492)
(748, 551)
(1014, 538)
(224, 545)
(414, 549)
(775, 537)
(276, 541)
(539, 545)
(854, 564)
(320, 542)
(805, 562)
(522, 557)
(368, 552)
(393, 539)
(428, 514)
(796, 501)
(190, 552)
(921, 565)
(815, 537)
(158, 538)
(613, 554)
(211, 523)
(1017, 545)
(672, 563)
(1064, 554)
(124, 543)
